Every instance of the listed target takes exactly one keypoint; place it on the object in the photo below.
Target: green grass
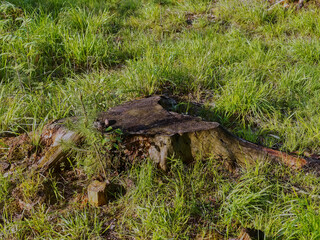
(254, 70)
(259, 66)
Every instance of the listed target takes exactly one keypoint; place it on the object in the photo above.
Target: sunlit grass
(254, 68)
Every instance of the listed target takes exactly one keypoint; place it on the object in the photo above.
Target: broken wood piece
(300, 4)
(161, 133)
(52, 137)
(49, 153)
(97, 193)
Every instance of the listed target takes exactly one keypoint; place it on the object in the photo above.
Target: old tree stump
(159, 133)
(164, 133)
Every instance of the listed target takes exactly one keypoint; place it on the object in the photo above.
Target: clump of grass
(202, 199)
(262, 197)
(82, 224)
(157, 214)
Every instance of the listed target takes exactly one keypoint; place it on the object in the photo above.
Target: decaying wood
(165, 133)
(49, 153)
(97, 193)
(52, 137)
(150, 129)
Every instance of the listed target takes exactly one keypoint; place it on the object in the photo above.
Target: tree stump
(151, 130)
(163, 133)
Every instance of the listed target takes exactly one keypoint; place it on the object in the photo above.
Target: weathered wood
(152, 130)
(49, 153)
(97, 193)
(52, 137)
(164, 133)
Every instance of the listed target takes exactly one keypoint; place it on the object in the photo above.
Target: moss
(20, 152)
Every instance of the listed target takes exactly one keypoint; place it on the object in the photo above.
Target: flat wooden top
(149, 116)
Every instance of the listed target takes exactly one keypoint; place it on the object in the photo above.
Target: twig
(281, 1)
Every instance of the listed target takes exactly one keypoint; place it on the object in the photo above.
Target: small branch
(281, 1)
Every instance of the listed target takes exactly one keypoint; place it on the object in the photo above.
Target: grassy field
(254, 69)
